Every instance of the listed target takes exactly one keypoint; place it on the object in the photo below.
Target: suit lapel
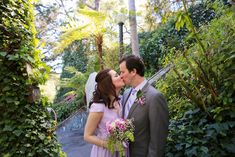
(133, 107)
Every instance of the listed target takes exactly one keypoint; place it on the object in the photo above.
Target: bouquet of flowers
(120, 133)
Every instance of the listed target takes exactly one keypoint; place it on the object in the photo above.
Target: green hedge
(26, 127)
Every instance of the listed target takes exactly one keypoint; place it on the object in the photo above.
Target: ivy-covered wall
(26, 127)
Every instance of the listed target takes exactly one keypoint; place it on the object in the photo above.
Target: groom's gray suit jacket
(151, 122)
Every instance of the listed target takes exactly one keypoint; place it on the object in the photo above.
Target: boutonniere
(140, 98)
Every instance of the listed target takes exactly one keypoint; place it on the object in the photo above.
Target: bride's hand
(104, 144)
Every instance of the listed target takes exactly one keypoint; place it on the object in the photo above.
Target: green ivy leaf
(42, 136)
(7, 155)
(204, 149)
(3, 54)
(17, 132)
(8, 128)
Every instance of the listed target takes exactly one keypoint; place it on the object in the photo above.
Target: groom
(147, 106)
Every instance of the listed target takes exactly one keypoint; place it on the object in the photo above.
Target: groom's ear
(133, 71)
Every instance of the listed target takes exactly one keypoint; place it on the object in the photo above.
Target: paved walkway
(73, 144)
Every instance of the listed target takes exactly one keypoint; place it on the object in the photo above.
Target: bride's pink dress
(109, 115)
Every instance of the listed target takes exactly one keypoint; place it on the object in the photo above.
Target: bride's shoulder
(97, 107)
(97, 104)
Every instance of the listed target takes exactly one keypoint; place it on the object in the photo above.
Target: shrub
(200, 92)
(156, 44)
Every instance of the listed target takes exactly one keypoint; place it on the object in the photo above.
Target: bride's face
(116, 79)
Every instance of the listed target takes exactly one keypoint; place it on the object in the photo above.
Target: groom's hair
(134, 62)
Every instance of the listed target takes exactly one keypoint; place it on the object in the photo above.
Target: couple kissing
(141, 102)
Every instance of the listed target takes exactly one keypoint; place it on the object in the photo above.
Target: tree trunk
(99, 43)
(96, 7)
(99, 40)
(98, 37)
(133, 28)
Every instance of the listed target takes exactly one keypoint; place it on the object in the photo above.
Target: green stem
(196, 73)
(208, 83)
(189, 92)
(193, 28)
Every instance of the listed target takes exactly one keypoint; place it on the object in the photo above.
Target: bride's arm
(93, 120)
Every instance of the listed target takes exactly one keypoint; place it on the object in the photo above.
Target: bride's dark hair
(104, 89)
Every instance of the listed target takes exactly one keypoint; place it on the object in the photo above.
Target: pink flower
(140, 98)
(110, 127)
(121, 126)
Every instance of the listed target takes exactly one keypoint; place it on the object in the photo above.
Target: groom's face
(125, 74)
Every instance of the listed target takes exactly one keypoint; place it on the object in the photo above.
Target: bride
(105, 107)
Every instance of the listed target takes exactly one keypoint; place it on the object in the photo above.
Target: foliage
(73, 80)
(49, 88)
(26, 128)
(45, 20)
(66, 108)
(94, 27)
(156, 44)
(74, 56)
(200, 93)
(93, 63)
(76, 83)
(93, 31)
(111, 57)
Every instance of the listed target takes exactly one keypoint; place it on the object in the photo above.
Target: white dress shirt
(132, 97)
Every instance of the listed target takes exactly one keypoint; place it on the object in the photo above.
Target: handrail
(79, 110)
(160, 73)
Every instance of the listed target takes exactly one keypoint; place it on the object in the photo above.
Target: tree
(96, 7)
(49, 17)
(95, 29)
(133, 28)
